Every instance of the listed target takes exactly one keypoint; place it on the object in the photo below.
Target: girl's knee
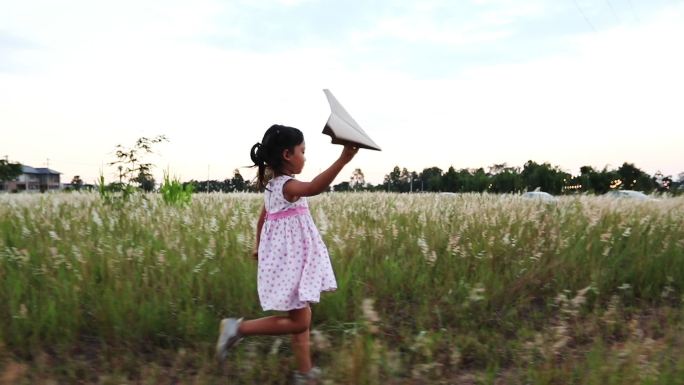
(301, 327)
(301, 338)
(301, 319)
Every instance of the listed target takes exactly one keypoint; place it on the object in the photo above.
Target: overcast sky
(434, 83)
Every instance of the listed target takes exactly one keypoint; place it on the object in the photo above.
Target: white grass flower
(421, 344)
(209, 253)
(77, 254)
(322, 222)
(213, 225)
(276, 346)
(241, 240)
(624, 286)
(476, 294)
(96, 219)
(606, 237)
(431, 258)
(606, 251)
(23, 311)
(161, 257)
(610, 317)
(580, 297)
(454, 244)
(370, 316)
(668, 289)
(319, 340)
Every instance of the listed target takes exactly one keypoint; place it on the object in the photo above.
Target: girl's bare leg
(297, 321)
(300, 347)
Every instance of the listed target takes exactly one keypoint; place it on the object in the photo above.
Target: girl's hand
(348, 152)
(255, 254)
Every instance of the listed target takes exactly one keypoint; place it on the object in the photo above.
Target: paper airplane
(343, 129)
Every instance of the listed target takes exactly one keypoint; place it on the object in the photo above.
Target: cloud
(431, 87)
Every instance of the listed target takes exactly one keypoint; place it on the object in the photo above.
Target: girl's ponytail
(257, 155)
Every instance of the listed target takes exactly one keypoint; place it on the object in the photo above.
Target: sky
(434, 83)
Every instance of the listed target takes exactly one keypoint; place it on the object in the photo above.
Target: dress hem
(307, 301)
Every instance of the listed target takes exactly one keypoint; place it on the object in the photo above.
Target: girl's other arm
(294, 189)
(260, 224)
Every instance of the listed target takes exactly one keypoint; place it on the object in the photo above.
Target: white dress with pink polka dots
(294, 265)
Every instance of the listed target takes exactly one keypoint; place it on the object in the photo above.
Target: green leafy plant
(174, 192)
(102, 189)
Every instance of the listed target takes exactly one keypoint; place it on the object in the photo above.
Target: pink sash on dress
(287, 213)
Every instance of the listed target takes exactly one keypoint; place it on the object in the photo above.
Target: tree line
(498, 178)
(501, 178)
(133, 172)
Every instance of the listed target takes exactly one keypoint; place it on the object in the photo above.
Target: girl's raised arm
(294, 189)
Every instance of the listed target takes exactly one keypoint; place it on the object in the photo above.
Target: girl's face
(295, 159)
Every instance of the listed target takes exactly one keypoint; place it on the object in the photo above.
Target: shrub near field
(432, 289)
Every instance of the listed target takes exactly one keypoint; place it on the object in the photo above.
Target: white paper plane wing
(343, 129)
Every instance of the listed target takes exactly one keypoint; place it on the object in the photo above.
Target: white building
(33, 180)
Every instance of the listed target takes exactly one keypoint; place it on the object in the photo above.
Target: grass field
(433, 289)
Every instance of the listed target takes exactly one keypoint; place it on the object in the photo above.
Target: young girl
(294, 266)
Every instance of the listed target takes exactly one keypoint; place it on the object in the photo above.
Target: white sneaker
(310, 378)
(228, 336)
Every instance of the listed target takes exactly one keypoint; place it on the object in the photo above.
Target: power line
(584, 16)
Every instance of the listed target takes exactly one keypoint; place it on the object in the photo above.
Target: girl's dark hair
(269, 153)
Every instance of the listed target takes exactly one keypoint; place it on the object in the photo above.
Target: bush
(174, 192)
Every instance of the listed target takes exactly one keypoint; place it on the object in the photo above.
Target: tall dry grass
(432, 289)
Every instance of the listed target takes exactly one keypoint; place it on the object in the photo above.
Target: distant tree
(604, 181)
(214, 186)
(463, 180)
(130, 165)
(414, 180)
(344, 186)
(357, 181)
(663, 183)
(145, 180)
(478, 181)
(431, 179)
(633, 178)
(505, 179)
(76, 182)
(9, 171)
(238, 182)
(544, 177)
(405, 180)
(677, 185)
(497, 168)
(629, 174)
(392, 180)
(584, 179)
(450, 180)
